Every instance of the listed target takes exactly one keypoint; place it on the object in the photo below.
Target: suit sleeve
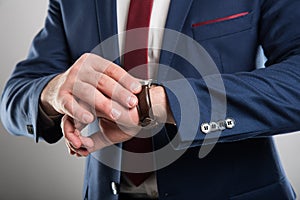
(48, 57)
(262, 103)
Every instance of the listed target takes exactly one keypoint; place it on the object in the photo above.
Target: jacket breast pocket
(219, 27)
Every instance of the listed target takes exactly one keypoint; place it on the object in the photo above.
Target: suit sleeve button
(205, 128)
(213, 127)
(230, 123)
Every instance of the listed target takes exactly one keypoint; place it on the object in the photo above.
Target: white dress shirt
(157, 23)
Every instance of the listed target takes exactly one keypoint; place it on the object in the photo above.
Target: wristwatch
(144, 107)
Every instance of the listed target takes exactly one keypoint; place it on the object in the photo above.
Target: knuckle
(74, 73)
(102, 81)
(77, 66)
(61, 94)
(104, 107)
(64, 103)
(85, 56)
(112, 71)
(100, 105)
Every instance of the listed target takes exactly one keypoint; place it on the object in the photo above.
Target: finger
(124, 78)
(110, 133)
(82, 152)
(117, 92)
(88, 143)
(73, 151)
(116, 133)
(79, 125)
(95, 99)
(73, 109)
(114, 71)
(120, 115)
(95, 142)
(70, 133)
(104, 106)
(103, 86)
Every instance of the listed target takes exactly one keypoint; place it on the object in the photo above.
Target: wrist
(160, 105)
(46, 98)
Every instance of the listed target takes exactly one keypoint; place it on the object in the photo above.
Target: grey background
(43, 171)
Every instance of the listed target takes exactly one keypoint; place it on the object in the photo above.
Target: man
(59, 80)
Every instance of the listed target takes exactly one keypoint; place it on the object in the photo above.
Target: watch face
(144, 122)
(148, 123)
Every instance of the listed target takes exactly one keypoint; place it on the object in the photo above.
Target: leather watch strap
(144, 106)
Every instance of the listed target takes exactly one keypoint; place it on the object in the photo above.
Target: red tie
(138, 17)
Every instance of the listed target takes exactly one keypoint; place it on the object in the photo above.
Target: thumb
(87, 142)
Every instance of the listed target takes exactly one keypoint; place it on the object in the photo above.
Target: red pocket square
(220, 19)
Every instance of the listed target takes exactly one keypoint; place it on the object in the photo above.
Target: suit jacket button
(114, 188)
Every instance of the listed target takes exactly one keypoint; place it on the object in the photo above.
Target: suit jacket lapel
(178, 12)
(107, 28)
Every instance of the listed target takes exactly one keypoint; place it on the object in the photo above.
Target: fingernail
(132, 101)
(115, 114)
(135, 87)
(87, 118)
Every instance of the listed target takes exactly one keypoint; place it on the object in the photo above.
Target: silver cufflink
(228, 123)
(114, 188)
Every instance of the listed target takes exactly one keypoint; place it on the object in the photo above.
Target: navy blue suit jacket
(263, 102)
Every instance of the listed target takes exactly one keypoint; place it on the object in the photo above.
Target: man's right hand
(92, 87)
